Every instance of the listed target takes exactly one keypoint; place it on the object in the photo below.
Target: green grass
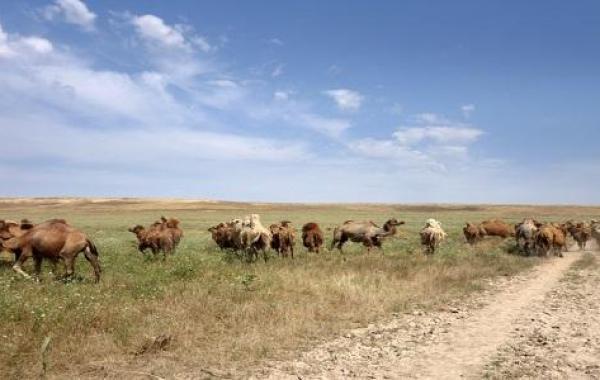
(222, 312)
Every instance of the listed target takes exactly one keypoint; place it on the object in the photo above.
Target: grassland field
(224, 315)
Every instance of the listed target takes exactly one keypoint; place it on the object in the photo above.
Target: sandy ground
(544, 324)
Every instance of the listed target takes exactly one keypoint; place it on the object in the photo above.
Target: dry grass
(222, 314)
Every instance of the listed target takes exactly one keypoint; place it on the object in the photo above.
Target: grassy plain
(224, 315)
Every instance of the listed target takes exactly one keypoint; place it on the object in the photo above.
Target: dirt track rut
(484, 336)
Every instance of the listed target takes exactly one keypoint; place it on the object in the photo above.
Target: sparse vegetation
(221, 312)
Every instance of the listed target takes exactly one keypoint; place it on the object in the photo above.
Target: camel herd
(249, 235)
(534, 237)
(56, 240)
(546, 238)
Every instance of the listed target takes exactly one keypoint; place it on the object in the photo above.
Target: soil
(543, 324)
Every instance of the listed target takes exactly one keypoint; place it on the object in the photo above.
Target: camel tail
(93, 248)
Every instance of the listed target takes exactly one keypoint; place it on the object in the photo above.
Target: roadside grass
(222, 313)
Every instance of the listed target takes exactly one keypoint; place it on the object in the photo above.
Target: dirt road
(545, 323)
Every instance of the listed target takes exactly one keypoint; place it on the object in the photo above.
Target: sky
(312, 101)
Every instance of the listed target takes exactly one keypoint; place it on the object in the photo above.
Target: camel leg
(25, 253)
(17, 253)
(55, 268)
(341, 243)
(70, 266)
(378, 243)
(37, 262)
(529, 248)
(93, 259)
(367, 243)
(333, 244)
(168, 249)
(250, 254)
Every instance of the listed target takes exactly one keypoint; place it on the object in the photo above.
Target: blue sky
(412, 101)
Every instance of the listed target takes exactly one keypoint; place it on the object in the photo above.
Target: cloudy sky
(412, 101)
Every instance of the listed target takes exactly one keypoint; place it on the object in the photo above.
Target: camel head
(136, 229)
(391, 224)
(10, 244)
(172, 222)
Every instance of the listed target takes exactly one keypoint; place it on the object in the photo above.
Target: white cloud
(220, 94)
(37, 44)
(430, 118)
(15, 45)
(389, 149)
(154, 30)
(224, 83)
(328, 126)
(276, 41)
(64, 114)
(281, 95)
(201, 43)
(52, 138)
(467, 110)
(277, 71)
(431, 142)
(297, 113)
(435, 129)
(437, 135)
(347, 100)
(72, 11)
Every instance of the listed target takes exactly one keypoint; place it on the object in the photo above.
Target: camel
(53, 240)
(365, 232)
